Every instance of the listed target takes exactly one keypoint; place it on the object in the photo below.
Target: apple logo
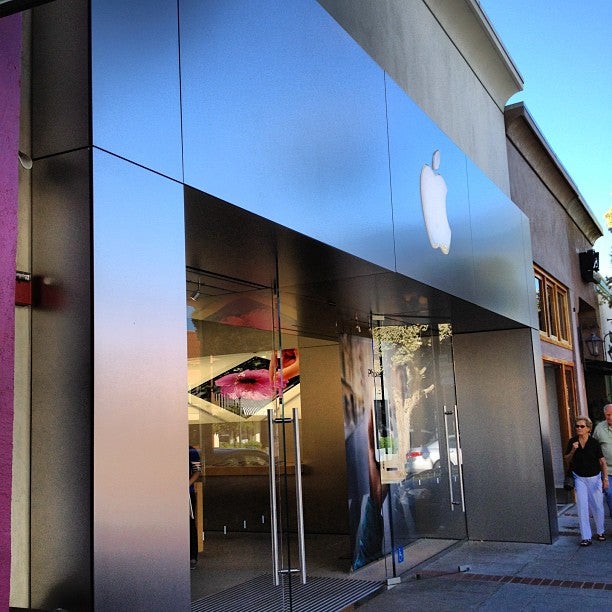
(433, 201)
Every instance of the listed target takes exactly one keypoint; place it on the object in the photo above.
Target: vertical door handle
(273, 507)
(459, 457)
(448, 461)
(298, 495)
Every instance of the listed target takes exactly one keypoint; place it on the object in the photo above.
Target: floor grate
(317, 595)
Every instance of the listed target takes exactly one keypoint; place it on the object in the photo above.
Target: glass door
(243, 412)
(416, 433)
(286, 502)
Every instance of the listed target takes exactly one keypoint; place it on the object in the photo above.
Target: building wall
(464, 92)
(20, 508)
(562, 226)
(504, 423)
(61, 343)
(540, 190)
(61, 484)
(140, 539)
(10, 69)
(118, 358)
(350, 142)
(556, 239)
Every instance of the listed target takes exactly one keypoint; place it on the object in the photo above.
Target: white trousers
(589, 496)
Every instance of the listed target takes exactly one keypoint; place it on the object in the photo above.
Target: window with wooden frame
(566, 399)
(552, 303)
(570, 390)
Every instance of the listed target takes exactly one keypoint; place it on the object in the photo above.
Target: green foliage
(604, 290)
(406, 340)
(388, 443)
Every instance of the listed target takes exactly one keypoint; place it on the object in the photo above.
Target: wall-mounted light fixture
(195, 296)
(594, 344)
(589, 266)
(25, 160)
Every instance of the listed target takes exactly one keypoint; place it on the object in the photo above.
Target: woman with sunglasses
(588, 465)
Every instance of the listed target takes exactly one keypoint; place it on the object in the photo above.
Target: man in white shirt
(603, 434)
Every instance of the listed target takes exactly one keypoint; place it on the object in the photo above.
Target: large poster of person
(365, 488)
(394, 389)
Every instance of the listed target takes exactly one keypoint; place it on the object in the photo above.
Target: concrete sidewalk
(509, 576)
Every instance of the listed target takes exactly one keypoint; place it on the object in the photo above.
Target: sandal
(601, 537)
(585, 543)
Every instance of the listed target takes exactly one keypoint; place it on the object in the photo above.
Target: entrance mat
(317, 595)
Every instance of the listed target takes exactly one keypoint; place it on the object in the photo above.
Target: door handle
(299, 500)
(298, 495)
(448, 461)
(273, 506)
(459, 457)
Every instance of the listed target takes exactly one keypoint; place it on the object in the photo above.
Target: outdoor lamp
(593, 342)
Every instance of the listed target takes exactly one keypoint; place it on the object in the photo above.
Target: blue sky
(563, 50)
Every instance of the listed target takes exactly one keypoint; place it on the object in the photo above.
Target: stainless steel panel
(135, 82)
(60, 77)
(413, 139)
(299, 496)
(500, 246)
(546, 434)
(284, 115)
(325, 285)
(141, 544)
(500, 418)
(61, 425)
(528, 267)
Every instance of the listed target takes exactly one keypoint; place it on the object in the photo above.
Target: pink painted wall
(10, 71)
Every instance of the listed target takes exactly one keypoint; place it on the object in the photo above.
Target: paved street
(509, 576)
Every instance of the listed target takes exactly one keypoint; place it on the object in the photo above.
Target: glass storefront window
(413, 436)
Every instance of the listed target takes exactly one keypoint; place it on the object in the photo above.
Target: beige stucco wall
(20, 501)
(462, 83)
(556, 241)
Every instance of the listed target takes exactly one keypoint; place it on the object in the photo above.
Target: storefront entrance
(268, 526)
(287, 342)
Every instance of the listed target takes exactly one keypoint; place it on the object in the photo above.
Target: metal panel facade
(506, 462)
(275, 109)
(283, 115)
(61, 476)
(286, 116)
(135, 82)
(140, 373)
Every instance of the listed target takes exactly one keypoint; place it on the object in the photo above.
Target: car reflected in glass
(427, 457)
(244, 457)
